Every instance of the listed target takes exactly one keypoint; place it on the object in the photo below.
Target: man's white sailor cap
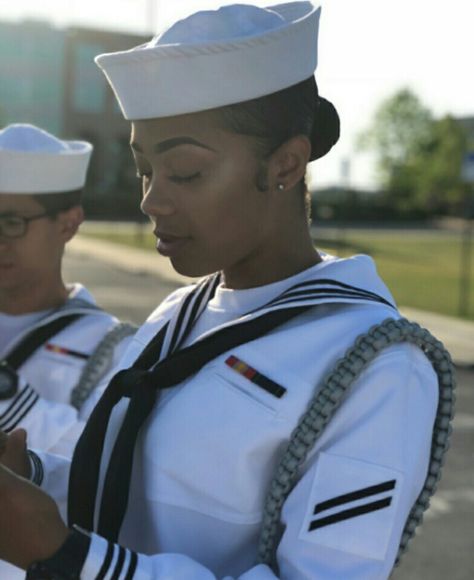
(215, 58)
(33, 161)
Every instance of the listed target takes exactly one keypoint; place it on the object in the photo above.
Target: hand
(13, 452)
(31, 528)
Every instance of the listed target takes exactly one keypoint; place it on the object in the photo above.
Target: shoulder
(158, 318)
(169, 304)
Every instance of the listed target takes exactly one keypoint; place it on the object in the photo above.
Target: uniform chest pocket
(54, 374)
(219, 436)
(250, 384)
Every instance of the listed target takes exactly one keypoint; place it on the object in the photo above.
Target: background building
(49, 78)
(31, 73)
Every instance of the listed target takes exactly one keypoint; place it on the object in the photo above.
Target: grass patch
(421, 270)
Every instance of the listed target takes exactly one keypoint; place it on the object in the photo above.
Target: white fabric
(228, 304)
(261, 48)
(52, 423)
(42, 405)
(33, 161)
(206, 455)
(14, 324)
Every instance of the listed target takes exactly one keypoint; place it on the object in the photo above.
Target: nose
(155, 201)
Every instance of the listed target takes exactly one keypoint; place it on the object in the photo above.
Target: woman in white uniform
(171, 475)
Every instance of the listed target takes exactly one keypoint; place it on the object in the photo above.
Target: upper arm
(346, 515)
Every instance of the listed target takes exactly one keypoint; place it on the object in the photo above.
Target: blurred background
(399, 72)
(398, 186)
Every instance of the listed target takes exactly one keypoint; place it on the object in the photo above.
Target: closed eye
(184, 178)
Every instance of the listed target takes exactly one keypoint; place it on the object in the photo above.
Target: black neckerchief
(172, 366)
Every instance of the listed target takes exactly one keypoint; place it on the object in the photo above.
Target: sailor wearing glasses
(48, 329)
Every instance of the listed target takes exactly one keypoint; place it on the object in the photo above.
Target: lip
(169, 245)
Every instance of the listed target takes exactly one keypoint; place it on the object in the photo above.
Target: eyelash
(187, 179)
(174, 178)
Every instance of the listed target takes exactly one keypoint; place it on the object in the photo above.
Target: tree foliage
(437, 168)
(419, 158)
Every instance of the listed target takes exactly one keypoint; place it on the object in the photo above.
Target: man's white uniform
(43, 403)
(41, 178)
(207, 452)
(48, 385)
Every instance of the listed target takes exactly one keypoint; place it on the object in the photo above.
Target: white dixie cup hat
(32, 161)
(215, 58)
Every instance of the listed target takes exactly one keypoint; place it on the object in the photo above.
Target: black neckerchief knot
(162, 365)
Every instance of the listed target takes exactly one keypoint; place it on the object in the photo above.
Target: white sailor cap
(215, 58)
(33, 161)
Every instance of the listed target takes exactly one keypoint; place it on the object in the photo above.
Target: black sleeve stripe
(354, 495)
(119, 565)
(37, 474)
(21, 412)
(26, 409)
(132, 567)
(106, 564)
(16, 402)
(351, 513)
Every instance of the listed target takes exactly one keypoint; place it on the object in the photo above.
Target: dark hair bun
(326, 128)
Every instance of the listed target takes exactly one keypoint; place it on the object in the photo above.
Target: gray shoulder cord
(99, 362)
(325, 403)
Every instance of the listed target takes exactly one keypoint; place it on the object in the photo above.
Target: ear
(287, 165)
(69, 222)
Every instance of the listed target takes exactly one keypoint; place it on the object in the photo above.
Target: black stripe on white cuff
(119, 563)
(37, 471)
(18, 408)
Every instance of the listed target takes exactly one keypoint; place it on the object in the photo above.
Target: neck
(35, 298)
(285, 258)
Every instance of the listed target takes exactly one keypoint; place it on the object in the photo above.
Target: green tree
(437, 168)
(402, 124)
(418, 157)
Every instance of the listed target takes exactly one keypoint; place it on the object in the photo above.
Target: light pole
(466, 242)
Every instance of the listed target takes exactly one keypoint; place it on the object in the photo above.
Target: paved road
(131, 297)
(444, 547)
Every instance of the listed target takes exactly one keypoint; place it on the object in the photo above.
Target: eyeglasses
(15, 226)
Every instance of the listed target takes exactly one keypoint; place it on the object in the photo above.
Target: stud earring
(280, 187)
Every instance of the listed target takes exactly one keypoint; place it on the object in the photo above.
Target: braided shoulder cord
(324, 404)
(99, 362)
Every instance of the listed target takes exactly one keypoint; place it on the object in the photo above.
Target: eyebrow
(171, 143)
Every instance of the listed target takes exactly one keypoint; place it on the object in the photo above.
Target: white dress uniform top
(55, 386)
(33, 162)
(42, 403)
(183, 496)
(205, 457)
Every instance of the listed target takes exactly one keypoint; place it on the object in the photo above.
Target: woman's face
(200, 191)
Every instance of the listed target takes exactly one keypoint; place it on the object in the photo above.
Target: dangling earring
(280, 187)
